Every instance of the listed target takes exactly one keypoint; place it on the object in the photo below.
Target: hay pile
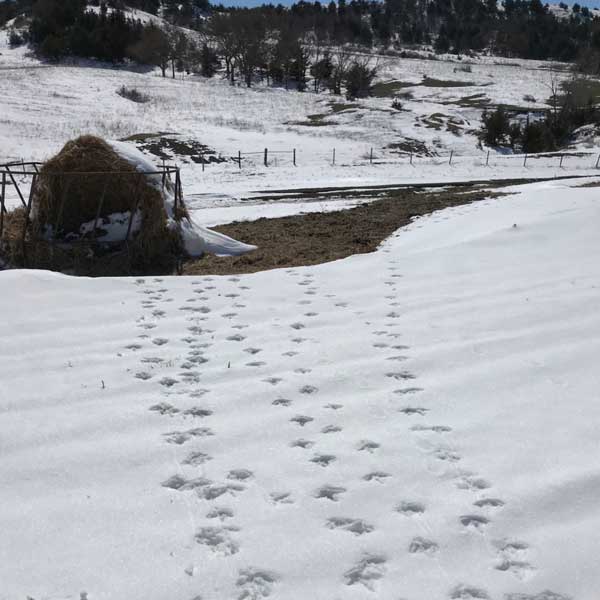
(72, 191)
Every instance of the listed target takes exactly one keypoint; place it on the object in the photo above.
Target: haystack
(81, 208)
(81, 216)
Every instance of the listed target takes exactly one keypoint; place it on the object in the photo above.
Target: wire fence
(271, 158)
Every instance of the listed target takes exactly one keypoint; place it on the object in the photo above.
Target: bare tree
(341, 60)
(223, 31)
(154, 48)
(250, 31)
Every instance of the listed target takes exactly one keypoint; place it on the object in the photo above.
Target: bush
(132, 94)
(15, 39)
(538, 137)
(529, 98)
(495, 128)
(396, 104)
(359, 79)
(209, 61)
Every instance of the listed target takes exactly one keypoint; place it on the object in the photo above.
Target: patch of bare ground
(316, 238)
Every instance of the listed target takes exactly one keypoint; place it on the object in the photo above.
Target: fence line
(370, 157)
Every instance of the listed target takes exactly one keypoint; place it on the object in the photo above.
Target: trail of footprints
(221, 534)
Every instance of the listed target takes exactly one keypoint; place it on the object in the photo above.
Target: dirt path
(315, 238)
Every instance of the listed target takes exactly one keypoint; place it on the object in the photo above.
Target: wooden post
(2, 209)
(451, 155)
(487, 160)
(525, 161)
(371, 157)
(137, 202)
(294, 156)
(266, 157)
(177, 191)
(203, 161)
(240, 158)
(598, 161)
(333, 161)
(561, 160)
(411, 158)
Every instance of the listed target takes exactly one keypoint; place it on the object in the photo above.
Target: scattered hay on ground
(316, 238)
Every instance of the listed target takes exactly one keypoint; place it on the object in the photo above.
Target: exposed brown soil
(322, 237)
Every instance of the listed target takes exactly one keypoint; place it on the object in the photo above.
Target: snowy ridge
(418, 423)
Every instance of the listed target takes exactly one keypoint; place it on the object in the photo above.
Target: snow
(113, 227)
(272, 210)
(196, 239)
(181, 437)
(419, 423)
(62, 101)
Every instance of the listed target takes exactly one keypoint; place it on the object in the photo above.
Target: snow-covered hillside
(43, 105)
(418, 423)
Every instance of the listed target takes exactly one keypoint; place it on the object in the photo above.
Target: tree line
(272, 41)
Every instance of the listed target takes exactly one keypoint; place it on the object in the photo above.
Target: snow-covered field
(419, 423)
(44, 105)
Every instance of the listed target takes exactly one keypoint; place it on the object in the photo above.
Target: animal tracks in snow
(218, 539)
(467, 592)
(255, 584)
(475, 522)
(410, 509)
(421, 545)
(355, 526)
(200, 341)
(330, 492)
(181, 437)
(367, 571)
(513, 558)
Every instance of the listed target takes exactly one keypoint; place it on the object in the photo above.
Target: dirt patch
(338, 107)
(439, 121)
(410, 146)
(442, 83)
(167, 147)
(388, 89)
(480, 101)
(323, 237)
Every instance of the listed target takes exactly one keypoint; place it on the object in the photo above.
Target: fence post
(487, 160)
(411, 158)
(451, 155)
(266, 157)
(525, 161)
(598, 161)
(371, 157)
(203, 161)
(561, 160)
(294, 156)
(2, 209)
(333, 162)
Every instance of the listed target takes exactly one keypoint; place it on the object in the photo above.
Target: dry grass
(85, 181)
(322, 237)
